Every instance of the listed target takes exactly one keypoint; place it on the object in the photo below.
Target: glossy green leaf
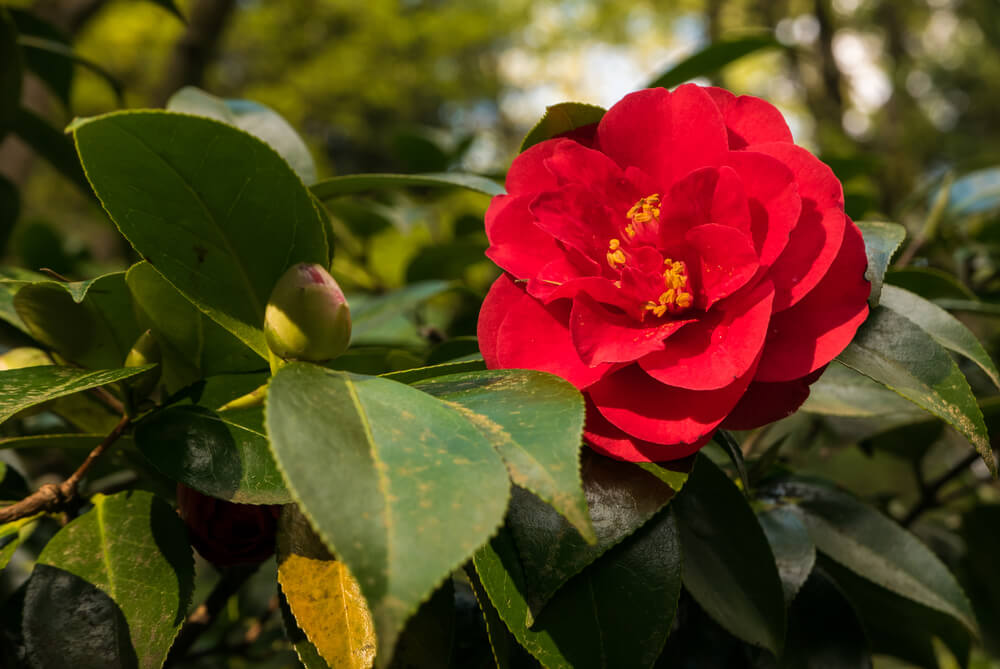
(215, 210)
(223, 454)
(193, 345)
(616, 613)
(112, 588)
(621, 498)
(896, 625)
(712, 58)
(257, 119)
(881, 241)
(444, 369)
(350, 184)
(875, 547)
(12, 535)
(823, 630)
(382, 319)
(897, 353)
(978, 569)
(56, 48)
(942, 326)
(90, 323)
(398, 484)
(929, 283)
(11, 72)
(55, 71)
(728, 564)
(793, 549)
(732, 448)
(535, 422)
(429, 637)
(561, 118)
(12, 279)
(52, 145)
(841, 391)
(27, 387)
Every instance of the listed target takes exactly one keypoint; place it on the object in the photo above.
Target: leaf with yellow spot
(324, 598)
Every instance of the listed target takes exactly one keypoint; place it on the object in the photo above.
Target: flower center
(677, 295)
(643, 216)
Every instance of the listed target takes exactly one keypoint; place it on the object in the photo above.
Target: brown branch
(56, 496)
(196, 47)
(929, 492)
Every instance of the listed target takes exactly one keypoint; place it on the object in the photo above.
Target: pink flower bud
(307, 317)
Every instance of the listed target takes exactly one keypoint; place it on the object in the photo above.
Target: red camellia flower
(682, 263)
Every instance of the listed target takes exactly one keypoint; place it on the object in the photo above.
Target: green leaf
(881, 241)
(380, 319)
(929, 283)
(257, 119)
(732, 448)
(561, 118)
(55, 71)
(616, 613)
(823, 630)
(982, 545)
(621, 497)
(728, 564)
(112, 587)
(793, 549)
(13, 534)
(712, 58)
(10, 209)
(942, 326)
(68, 442)
(897, 353)
(193, 345)
(215, 210)
(875, 547)
(89, 323)
(841, 391)
(897, 625)
(350, 184)
(445, 368)
(11, 66)
(222, 454)
(52, 145)
(57, 48)
(13, 487)
(535, 422)
(23, 388)
(428, 639)
(398, 484)
(12, 279)
(171, 7)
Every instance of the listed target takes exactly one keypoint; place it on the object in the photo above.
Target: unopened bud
(145, 351)
(225, 533)
(23, 356)
(307, 317)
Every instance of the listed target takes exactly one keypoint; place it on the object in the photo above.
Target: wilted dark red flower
(684, 264)
(225, 533)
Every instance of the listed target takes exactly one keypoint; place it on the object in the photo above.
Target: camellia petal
(765, 403)
(774, 201)
(718, 349)
(516, 243)
(749, 120)
(814, 331)
(707, 195)
(602, 336)
(725, 262)
(609, 440)
(666, 135)
(645, 408)
(812, 248)
(528, 173)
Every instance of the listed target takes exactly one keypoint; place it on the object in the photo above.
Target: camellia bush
(577, 451)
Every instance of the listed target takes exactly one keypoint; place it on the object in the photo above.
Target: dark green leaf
(794, 550)
(421, 373)
(10, 209)
(215, 210)
(896, 625)
(728, 565)
(111, 589)
(383, 319)
(23, 388)
(12, 279)
(875, 547)
(897, 353)
(881, 241)
(193, 345)
(55, 71)
(258, 120)
(732, 448)
(447, 260)
(399, 485)
(223, 454)
(90, 323)
(70, 442)
(711, 59)
(52, 145)
(621, 498)
(562, 118)
(982, 541)
(929, 283)
(362, 183)
(429, 635)
(12, 485)
(970, 306)
(841, 391)
(33, 44)
(942, 326)
(535, 421)
(616, 613)
(11, 536)
(11, 72)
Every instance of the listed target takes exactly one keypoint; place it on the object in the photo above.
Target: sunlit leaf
(562, 118)
(362, 183)
(712, 58)
(881, 241)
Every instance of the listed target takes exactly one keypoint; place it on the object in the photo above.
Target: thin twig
(929, 492)
(108, 400)
(55, 496)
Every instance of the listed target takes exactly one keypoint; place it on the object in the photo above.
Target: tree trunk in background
(193, 52)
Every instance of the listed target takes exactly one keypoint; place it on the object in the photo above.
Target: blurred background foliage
(898, 96)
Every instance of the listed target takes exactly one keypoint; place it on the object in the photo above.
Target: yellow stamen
(642, 212)
(677, 295)
(616, 256)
